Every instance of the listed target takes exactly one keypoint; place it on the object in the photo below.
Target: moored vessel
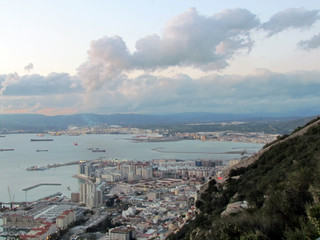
(98, 150)
(40, 140)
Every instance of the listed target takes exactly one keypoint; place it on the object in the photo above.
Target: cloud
(312, 43)
(263, 92)
(35, 85)
(108, 57)
(189, 39)
(7, 80)
(291, 18)
(108, 82)
(29, 67)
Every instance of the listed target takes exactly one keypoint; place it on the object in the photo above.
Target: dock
(55, 165)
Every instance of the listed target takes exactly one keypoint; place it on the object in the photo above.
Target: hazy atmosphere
(66, 57)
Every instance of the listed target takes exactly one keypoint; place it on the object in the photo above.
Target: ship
(42, 150)
(6, 149)
(39, 140)
(98, 150)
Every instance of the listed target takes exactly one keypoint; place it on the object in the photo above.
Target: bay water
(62, 149)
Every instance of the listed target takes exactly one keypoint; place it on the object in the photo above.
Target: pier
(55, 165)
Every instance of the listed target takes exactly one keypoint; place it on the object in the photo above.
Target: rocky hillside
(272, 195)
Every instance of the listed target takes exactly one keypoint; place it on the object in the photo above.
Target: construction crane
(9, 194)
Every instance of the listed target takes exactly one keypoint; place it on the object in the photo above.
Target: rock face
(235, 207)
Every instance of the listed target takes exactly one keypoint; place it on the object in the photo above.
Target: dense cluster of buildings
(230, 136)
(130, 177)
(160, 193)
(39, 220)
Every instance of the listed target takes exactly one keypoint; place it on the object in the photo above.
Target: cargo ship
(42, 150)
(41, 140)
(6, 149)
(98, 150)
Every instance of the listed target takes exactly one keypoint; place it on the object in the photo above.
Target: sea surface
(62, 149)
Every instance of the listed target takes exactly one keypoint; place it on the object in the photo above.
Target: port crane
(9, 194)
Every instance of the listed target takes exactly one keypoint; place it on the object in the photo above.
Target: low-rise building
(41, 232)
(66, 218)
(122, 233)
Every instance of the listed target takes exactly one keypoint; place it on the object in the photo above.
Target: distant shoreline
(164, 151)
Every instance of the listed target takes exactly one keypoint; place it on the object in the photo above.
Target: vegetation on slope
(282, 189)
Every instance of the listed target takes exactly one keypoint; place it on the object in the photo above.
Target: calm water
(62, 149)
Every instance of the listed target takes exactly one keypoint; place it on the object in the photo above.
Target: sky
(160, 57)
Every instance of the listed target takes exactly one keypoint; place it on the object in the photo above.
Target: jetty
(55, 165)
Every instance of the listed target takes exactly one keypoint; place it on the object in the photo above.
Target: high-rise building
(81, 168)
(146, 173)
(91, 194)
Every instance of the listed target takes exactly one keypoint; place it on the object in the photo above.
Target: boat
(6, 149)
(2, 135)
(36, 168)
(98, 150)
(38, 140)
(75, 143)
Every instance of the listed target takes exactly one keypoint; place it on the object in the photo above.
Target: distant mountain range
(37, 122)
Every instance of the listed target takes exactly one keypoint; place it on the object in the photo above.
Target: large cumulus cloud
(189, 39)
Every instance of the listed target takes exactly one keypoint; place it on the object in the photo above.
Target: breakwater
(41, 184)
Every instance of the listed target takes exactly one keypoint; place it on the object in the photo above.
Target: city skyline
(160, 57)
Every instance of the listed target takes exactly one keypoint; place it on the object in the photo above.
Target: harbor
(60, 161)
